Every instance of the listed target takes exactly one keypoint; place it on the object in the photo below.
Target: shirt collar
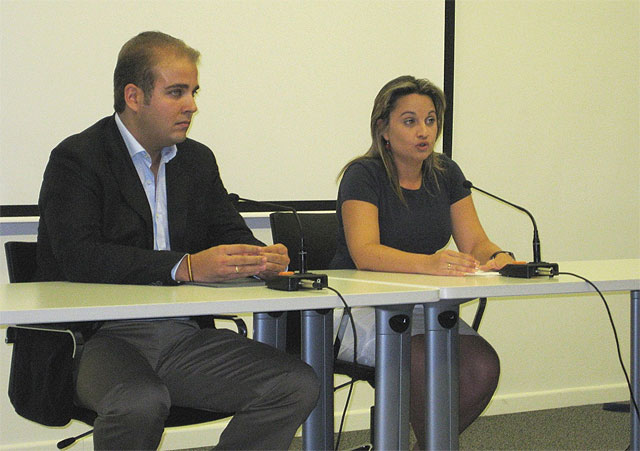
(134, 147)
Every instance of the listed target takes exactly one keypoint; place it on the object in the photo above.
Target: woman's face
(412, 129)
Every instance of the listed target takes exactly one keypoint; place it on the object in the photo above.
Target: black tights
(479, 372)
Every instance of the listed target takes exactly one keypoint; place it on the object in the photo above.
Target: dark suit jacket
(95, 220)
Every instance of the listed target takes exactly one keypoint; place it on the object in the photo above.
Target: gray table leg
(635, 367)
(393, 367)
(317, 351)
(270, 328)
(441, 375)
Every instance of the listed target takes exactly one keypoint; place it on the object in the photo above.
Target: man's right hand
(225, 262)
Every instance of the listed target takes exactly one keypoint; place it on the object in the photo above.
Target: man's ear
(133, 97)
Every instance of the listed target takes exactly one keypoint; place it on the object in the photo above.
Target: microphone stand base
(529, 270)
(297, 281)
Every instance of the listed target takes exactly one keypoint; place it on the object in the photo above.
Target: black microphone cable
(347, 309)
(615, 336)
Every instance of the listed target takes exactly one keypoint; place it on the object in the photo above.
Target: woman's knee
(489, 363)
(479, 361)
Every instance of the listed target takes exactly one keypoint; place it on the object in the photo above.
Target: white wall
(546, 114)
(286, 85)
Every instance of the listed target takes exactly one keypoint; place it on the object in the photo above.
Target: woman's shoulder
(365, 166)
(446, 161)
(363, 180)
(453, 178)
(450, 168)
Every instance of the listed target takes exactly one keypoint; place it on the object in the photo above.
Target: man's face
(164, 119)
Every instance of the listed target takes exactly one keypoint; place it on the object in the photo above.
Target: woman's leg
(479, 372)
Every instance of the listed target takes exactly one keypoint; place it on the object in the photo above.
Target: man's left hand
(277, 260)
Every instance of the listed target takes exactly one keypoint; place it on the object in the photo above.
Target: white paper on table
(484, 273)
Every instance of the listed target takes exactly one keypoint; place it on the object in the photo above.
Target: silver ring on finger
(449, 266)
(237, 270)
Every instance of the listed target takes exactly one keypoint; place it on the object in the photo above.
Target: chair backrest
(21, 260)
(320, 236)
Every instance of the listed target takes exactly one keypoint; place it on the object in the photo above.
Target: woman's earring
(387, 145)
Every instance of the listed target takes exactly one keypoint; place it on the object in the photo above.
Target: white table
(441, 374)
(49, 302)
(392, 293)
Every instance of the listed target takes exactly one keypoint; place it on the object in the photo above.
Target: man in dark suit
(133, 200)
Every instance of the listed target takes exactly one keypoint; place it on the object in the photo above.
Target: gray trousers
(131, 372)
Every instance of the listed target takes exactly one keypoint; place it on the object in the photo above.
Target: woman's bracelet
(495, 254)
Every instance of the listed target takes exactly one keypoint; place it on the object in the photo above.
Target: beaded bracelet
(189, 268)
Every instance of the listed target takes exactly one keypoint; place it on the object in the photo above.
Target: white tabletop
(42, 302)
(607, 275)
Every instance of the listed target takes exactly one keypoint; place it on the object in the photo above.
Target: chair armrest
(241, 326)
(482, 303)
(209, 321)
(76, 336)
(356, 371)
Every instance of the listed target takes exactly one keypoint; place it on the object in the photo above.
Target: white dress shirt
(154, 187)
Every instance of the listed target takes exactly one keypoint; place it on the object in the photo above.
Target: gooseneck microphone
(536, 240)
(234, 198)
(526, 270)
(289, 281)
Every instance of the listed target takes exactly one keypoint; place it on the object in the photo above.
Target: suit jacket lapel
(177, 199)
(126, 175)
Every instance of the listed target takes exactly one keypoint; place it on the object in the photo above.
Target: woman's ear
(382, 127)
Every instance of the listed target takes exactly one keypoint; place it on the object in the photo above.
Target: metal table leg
(635, 367)
(441, 375)
(317, 351)
(270, 328)
(393, 367)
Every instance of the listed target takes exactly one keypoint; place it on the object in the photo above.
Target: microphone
(235, 199)
(292, 281)
(526, 270)
(62, 444)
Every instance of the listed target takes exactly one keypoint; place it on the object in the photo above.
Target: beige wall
(286, 85)
(547, 115)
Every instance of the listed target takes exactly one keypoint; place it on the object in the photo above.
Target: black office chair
(320, 237)
(320, 231)
(21, 264)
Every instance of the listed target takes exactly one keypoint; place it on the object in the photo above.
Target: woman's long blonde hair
(383, 105)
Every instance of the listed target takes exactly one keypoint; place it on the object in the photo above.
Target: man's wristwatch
(495, 254)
